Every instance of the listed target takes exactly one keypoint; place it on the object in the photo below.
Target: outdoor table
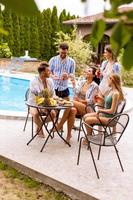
(48, 109)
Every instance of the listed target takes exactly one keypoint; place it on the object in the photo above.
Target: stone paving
(56, 165)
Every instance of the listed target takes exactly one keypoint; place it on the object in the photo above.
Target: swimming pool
(12, 93)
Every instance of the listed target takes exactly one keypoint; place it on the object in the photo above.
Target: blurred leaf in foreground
(127, 59)
(25, 7)
(97, 32)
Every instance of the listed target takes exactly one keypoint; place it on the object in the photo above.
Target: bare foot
(40, 134)
(68, 138)
(85, 142)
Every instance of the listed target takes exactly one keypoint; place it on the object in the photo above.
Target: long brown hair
(117, 83)
(109, 49)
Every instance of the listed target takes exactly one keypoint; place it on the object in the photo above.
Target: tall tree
(1, 25)
(26, 25)
(64, 17)
(46, 30)
(55, 28)
(34, 38)
(21, 23)
(40, 28)
(16, 34)
(8, 26)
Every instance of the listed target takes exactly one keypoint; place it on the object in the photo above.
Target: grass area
(16, 186)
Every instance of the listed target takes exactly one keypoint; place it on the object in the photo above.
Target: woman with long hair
(84, 95)
(110, 102)
(109, 66)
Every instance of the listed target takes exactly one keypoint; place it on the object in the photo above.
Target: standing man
(62, 67)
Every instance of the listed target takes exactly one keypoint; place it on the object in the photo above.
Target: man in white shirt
(37, 85)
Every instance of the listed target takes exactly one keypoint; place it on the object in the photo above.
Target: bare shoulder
(116, 94)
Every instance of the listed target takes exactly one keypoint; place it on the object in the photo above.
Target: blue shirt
(58, 67)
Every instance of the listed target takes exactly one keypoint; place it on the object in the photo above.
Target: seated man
(84, 95)
(37, 85)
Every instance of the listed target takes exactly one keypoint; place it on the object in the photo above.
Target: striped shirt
(58, 67)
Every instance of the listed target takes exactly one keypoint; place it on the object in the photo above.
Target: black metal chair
(28, 113)
(105, 137)
(79, 117)
(43, 114)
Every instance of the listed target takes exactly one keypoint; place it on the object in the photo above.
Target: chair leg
(94, 163)
(79, 150)
(32, 127)
(26, 121)
(119, 158)
(99, 151)
(79, 129)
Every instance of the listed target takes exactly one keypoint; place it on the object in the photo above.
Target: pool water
(12, 93)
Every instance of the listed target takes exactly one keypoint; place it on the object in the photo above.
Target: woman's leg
(90, 120)
(70, 123)
(64, 118)
(79, 108)
(37, 121)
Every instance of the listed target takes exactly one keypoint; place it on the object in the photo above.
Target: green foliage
(21, 6)
(27, 33)
(36, 34)
(46, 35)
(98, 31)
(16, 35)
(79, 50)
(122, 32)
(127, 77)
(34, 38)
(8, 26)
(5, 51)
(55, 28)
(119, 32)
(127, 59)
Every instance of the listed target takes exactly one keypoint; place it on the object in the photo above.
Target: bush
(79, 50)
(127, 77)
(5, 51)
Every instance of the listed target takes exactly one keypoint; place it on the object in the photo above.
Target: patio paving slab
(56, 165)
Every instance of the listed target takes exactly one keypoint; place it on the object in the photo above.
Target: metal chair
(79, 117)
(43, 114)
(28, 113)
(106, 137)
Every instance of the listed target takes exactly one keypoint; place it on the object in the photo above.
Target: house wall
(86, 29)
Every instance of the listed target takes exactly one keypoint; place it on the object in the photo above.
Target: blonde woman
(110, 101)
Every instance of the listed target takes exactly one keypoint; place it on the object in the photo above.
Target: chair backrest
(115, 129)
(27, 94)
(121, 106)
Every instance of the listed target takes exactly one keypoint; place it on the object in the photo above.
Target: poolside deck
(56, 165)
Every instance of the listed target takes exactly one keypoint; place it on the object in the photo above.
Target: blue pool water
(12, 93)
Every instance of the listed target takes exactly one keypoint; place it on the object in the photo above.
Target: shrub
(5, 51)
(79, 50)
